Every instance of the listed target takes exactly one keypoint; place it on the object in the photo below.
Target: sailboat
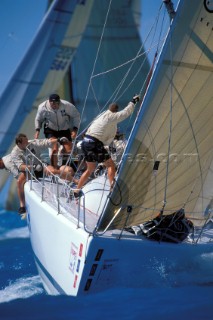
(92, 244)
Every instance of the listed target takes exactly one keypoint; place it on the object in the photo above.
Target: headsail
(174, 127)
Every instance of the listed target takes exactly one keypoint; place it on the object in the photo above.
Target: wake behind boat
(86, 245)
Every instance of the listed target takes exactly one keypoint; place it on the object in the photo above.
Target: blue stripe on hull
(49, 277)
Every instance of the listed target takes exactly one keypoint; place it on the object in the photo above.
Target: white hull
(71, 261)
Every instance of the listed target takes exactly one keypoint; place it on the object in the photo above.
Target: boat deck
(59, 195)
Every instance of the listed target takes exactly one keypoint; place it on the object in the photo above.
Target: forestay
(173, 132)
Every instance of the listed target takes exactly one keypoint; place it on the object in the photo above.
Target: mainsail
(168, 161)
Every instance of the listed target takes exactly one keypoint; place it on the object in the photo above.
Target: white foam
(15, 233)
(22, 288)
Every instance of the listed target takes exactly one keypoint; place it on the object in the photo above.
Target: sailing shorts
(94, 150)
(49, 133)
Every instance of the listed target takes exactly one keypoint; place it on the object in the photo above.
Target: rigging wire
(154, 26)
(132, 61)
(111, 70)
(139, 54)
(89, 85)
(148, 77)
(99, 46)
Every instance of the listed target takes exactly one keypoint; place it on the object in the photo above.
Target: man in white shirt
(101, 133)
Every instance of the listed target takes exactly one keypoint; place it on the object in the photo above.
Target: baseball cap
(54, 97)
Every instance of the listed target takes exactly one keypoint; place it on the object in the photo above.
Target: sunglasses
(55, 102)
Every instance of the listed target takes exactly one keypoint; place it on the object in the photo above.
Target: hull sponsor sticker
(75, 281)
(78, 265)
(73, 257)
(81, 250)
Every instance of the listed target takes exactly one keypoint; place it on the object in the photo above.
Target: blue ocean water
(22, 295)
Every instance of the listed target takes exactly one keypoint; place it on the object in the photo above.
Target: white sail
(40, 73)
(173, 130)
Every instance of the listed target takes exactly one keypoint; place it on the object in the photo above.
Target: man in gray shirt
(26, 156)
(7, 164)
(60, 119)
